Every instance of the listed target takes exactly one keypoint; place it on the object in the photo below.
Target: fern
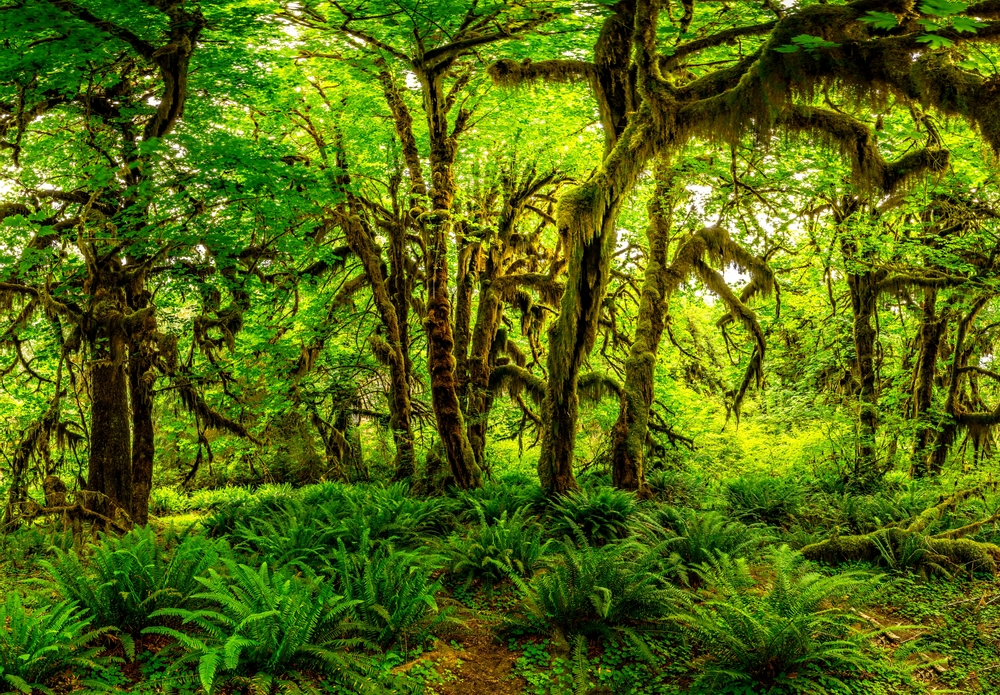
(36, 647)
(392, 593)
(491, 501)
(489, 550)
(602, 515)
(262, 629)
(125, 580)
(765, 499)
(787, 635)
(696, 537)
(611, 591)
(289, 538)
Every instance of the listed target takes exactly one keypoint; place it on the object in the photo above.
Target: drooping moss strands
(586, 219)
(948, 430)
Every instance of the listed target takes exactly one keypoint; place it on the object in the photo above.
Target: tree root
(911, 547)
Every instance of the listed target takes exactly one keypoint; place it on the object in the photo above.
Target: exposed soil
(479, 666)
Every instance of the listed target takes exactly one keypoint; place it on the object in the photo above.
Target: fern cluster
(36, 647)
(764, 498)
(601, 515)
(124, 580)
(261, 630)
(496, 546)
(693, 537)
(605, 591)
(785, 634)
(393, 593)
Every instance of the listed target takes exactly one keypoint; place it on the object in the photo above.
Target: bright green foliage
(126, 579)
(764, 498)
(789, 633)
(697, 537)
(262, 629)
(37, 646)
(494, 499)
(495, 547)
(392, 592)
(289, 538)
(608, 591)
(601, 515)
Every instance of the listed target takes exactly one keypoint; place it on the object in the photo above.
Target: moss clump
(949, 552)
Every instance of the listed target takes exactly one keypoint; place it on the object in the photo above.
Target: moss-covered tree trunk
(628, 437)
(361, 243)
(109, 471)
(440, 339)
(932, 328)
(488, 314)
(572, 335)
(863, 302)
(140, 371)
(587, 217)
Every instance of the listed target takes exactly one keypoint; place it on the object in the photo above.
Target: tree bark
(863, 302)
(440, 339)
(932, 329)
(110, 467)
(628, 437)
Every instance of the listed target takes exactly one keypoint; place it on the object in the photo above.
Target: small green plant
(125, 580)
(36, 647)
(696, 537)
(290, 538)
(599, 592)
(392, 592)
(601, 515)
(262, 630)
(788, 634)
(489, 550)
(164, 501)
(494, 499)
(764, 498)
(677, 487)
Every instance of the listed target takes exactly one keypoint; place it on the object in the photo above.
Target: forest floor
(929, 634)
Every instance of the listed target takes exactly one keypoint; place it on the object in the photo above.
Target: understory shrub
(393, 593)
(264, 631)
(787, 633)
(601, 515)
(35, 647)
(695, 537)
(599, 592)
(124, 580)
(494, 547)
(764, 498)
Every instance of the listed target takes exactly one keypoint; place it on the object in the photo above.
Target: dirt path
(479, 666)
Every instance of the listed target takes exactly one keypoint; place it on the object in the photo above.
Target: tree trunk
(110, 467)
(441, 360)
(360, 241)
(931, 330)
(628, 437)
(143, 446)
(440, 340)
(484, 333)
(572, 335)
(863, 302)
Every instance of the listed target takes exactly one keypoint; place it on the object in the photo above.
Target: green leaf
(880, 20)
(943, 8)
(934, 41)
(966, 24)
